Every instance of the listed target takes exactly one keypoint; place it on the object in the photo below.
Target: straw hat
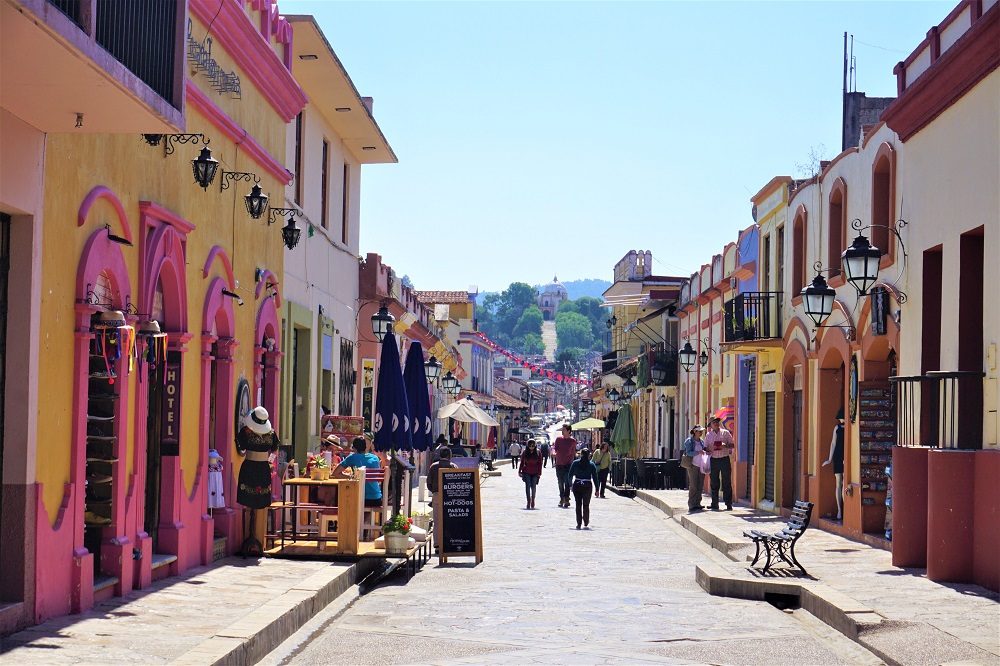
(110, 319)
(257, 420)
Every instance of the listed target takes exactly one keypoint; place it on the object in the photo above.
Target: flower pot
(320, 473)
(423, 521)
(395, 543)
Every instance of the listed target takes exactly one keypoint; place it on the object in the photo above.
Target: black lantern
(448, 382)
(703, 359)
(152, 139)
(687, 356)
(290, 233)
(432, 368)
(456, 389)
(382, 321)
(204, 168)
(613, 396)
(256, 202)
(861, 262)
(817, 299)
(628, 388)
(611, 322)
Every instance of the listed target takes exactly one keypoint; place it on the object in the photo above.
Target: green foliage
(568, 360)
(530, 322)
(500, 313)
(574, 330)
(529, 345)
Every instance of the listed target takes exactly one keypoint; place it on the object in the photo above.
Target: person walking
(544, 450)
(565, 449)
(582, 475)
(719, 444)
(515, 453)
(531, 472)
(602, 459)
(444, 462)
(696, 480)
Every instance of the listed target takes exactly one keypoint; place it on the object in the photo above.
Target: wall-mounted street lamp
(628, 389)
(687, 356)
(233, 295)
(818, 298)
(448, 382)
(290, 233)
(116, 239)
(382, 321)
(432, 368)
(204, 168)
(861, 260)
(614, 396)
(256, 201)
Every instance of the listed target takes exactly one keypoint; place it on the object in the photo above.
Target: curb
(255, 635)
(841, 612)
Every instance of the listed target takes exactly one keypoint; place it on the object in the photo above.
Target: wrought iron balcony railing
(940, 409)
(141, 34)
(753, 315)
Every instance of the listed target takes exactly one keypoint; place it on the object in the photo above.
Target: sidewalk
(897, 613)
(232, 612)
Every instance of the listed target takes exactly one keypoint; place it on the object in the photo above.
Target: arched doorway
(834, 357)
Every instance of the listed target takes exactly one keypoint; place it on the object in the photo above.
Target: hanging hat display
(110, 319)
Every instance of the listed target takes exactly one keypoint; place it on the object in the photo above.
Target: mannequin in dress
(836, 459)
(256, 440)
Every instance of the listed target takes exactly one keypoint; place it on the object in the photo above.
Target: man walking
(515, 453)
(719, 444)
(565, 448)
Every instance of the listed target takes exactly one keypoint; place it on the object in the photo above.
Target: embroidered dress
(254, 489)
(216, 498)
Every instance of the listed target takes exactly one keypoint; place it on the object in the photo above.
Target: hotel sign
(170, 406)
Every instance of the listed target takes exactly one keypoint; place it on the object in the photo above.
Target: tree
(501, 312)
(573, 330)
(530, 322)
(529, 345)
(568, 360)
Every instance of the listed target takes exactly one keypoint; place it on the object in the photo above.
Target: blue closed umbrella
(415, 380)
(391, 420)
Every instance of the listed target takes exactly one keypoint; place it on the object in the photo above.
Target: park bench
(782, 542)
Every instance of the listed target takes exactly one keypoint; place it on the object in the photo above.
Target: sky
(542, 139)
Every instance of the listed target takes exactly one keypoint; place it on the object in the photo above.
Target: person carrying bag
(697, 463)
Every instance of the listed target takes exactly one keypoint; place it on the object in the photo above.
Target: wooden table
(349, 509)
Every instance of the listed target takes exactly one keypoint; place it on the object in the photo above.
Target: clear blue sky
(544, 138)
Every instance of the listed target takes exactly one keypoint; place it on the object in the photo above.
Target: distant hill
(591, 287)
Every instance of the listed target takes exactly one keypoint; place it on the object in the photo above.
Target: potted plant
(317, 467)
(421, 519)
(397, 534)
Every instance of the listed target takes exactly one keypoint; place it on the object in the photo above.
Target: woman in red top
(531, 471)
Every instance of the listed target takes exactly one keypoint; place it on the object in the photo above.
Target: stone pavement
(621, 592)
(233, 611)
(925, 622)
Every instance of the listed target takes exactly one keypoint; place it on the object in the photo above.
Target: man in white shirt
(719, 444)
(515, 454)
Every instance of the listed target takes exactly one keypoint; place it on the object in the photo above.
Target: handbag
(702, 462)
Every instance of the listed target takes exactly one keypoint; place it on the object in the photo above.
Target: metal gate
(751, 423)
(769, 446)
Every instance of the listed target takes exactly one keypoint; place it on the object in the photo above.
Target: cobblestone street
(622, 592)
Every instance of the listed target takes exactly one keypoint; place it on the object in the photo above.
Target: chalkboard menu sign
(459, 514)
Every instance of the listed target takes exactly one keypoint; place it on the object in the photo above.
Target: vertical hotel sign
(367, 391)
(170, 406)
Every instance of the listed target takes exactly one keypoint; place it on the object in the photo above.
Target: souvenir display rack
(877, 434)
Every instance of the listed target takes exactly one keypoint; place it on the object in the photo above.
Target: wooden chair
(368, 523)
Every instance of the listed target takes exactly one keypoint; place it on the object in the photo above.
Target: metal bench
(782, 542)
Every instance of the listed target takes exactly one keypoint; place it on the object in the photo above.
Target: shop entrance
(769, 445)
(796, 445)
(751, 423)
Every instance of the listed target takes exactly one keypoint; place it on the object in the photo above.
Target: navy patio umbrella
(415, 381)
(391, 420)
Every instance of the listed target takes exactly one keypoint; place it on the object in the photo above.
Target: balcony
(753, 315)
(940, 410)
(93, 66)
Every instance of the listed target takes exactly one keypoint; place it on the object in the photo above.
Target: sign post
(458, 514)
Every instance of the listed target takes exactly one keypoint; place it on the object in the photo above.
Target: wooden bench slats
(782, 541)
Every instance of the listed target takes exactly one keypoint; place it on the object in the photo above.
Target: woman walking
(530, 471)
(696, 479)
(602, 459)
(583, 478)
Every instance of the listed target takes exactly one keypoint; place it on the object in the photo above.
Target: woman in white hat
(255, 440)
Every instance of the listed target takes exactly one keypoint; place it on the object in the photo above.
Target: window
(799, 251)
(837, 225)
(882, 198)
(298, 158)
(779, 259)
(345, 216)
(324, 213)
(766, 285)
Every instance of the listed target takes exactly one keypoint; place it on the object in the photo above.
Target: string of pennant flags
(551, 374)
